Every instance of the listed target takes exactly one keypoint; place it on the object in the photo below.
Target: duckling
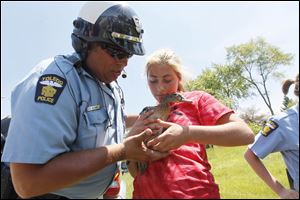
(162, 112)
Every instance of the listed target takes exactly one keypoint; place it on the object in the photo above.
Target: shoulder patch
(269, 127)
(49, 88)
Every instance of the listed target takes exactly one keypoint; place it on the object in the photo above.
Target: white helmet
(110, 23)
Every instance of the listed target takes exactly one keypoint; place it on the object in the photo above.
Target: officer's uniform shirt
(281, 134)
(59, 108)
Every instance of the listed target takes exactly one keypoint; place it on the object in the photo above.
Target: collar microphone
(124, 74)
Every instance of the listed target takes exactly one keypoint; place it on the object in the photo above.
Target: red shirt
(185, 173)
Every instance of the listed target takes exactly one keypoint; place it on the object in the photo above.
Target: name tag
(92, 108)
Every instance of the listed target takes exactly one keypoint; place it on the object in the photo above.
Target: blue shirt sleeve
(265, 144)
(39, 131)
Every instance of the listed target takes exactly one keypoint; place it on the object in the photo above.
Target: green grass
(129, 185)
(235, 177)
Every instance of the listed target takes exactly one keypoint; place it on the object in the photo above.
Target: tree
(254, 120)
(223, 82)
(250, 115)
(259, 62)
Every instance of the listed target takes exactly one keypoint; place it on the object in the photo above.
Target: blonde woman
(185, 173)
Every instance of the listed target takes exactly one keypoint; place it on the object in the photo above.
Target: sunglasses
(115, 53)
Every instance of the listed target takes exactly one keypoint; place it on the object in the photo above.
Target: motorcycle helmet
(110, 23)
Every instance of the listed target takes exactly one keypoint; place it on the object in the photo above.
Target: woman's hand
(172, 138)
(289, 194)
(143, 122)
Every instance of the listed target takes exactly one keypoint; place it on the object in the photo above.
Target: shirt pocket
(95, 118)
(95, 123)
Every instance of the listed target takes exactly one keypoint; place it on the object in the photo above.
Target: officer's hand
(135, 149)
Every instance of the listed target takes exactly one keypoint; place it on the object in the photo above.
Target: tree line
(247, 72)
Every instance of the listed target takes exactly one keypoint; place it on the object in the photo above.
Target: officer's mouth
(117, 73)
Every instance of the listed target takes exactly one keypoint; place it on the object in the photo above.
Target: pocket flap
(96, 116)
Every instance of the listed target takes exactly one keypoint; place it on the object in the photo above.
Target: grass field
(235, 177)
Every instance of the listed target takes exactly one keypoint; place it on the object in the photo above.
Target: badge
(92, 108)
(269, 127)
(49, 88)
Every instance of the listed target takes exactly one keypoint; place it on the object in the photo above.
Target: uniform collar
(83, 72)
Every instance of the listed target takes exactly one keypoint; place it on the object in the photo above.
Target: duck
(161, 111)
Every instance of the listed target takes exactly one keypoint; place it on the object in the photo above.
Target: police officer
(280, 134)
(67, 125)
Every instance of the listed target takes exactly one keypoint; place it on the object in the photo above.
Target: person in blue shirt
(280, 134)
(68, 120)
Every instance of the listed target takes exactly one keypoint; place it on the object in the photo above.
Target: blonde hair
(287, 83)
(168, 57)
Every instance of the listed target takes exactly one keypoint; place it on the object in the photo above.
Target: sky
(198, 32)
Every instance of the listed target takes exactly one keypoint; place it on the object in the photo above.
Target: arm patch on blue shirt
(269, 128)
(49, 88)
